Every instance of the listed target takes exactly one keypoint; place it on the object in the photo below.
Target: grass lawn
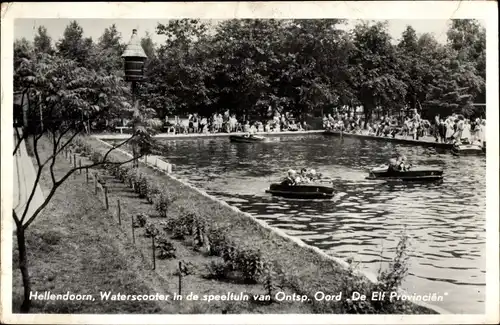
(76, 245)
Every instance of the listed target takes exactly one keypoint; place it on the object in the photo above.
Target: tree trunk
(23, 266)
(368, 110)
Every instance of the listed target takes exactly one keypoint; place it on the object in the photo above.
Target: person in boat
(292, 178)
(312, 175)
(402, 164)
(393, 165)
(304, 176)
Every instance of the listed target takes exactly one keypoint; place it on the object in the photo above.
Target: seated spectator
(246, 127)
(267, 127)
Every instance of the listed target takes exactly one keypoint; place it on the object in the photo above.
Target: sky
(95, 27)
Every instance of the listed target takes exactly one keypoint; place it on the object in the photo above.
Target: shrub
(269, 278)
(142, 186)
(165, 226)
(217, 239)
(122, 172)
(151, 230)
(87, 150)
(184, 225)
(162, 201)
(186, 268)
(249, 262)
(140, 220)
(96, 157)
(393, 277)
(216, 270)
(389, 281)
(131, 175)
(166, 249)
(152, 189)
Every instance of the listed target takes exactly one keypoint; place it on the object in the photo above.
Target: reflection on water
(446, 222)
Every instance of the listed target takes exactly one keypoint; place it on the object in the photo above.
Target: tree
(106, 54)
(23, 49)
(148, 46)
(317, 53)
(69, 96)
(247, 67)
(454, 86)
(375, 72)
(43, 42)
(413, 67)
(468, 38)
(73, 45)
(175, 81)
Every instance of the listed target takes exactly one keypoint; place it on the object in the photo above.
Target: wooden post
(74, 160)
(95, 182)
(133, 230)
(80, 166)
(180, 278)
(87, 174)
(106, 196)
(154, 253)
(119, 213)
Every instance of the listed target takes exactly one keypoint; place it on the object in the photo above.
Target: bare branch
(20, 139)
(118, 146)
(54, 157)
(33, 190)
(35, 149)
(16, 218)
(64, 145)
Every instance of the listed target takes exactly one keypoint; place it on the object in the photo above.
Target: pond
(365, 219)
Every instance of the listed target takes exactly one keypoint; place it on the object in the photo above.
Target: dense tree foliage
(256, 67)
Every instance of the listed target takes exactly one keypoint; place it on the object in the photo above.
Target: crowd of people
(452, 129)
(457, 129)
(228, 123)
(389, 126)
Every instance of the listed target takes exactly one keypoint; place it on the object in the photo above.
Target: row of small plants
(238, 258)
(241, 261)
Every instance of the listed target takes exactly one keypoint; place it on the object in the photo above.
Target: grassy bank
(77, 245)
(71, 249)
(229, 247)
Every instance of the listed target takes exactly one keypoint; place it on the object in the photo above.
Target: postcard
(250, 162)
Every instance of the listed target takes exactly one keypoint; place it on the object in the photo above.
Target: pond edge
(368, 275)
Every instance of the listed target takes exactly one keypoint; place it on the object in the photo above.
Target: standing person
(473, 131)
(483, 132)
(449, 130)
(416, 124)
(466, 133)
(437, 124)
(442, 130)
(219, 122)
(195, 123)
(459, 130)
(190, 124)
(203, 125)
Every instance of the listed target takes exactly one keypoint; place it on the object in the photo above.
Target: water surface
(446, 222)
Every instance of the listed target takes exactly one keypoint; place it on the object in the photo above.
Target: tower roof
(134, 47)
